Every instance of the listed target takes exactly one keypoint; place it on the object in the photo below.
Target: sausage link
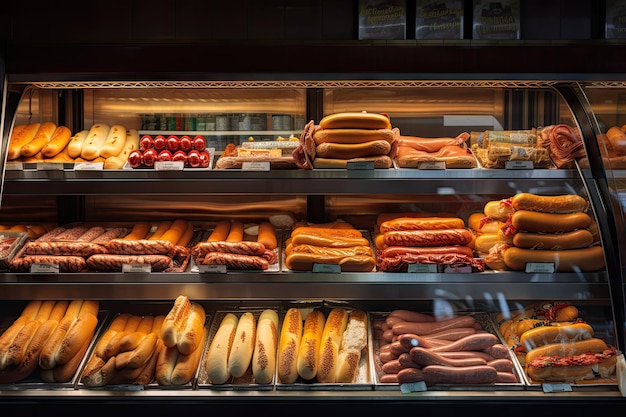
(427, 357)
(479, 374)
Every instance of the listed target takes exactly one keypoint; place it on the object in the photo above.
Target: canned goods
(189, 122)
(222, 122)
(201, 123)
(175, 122)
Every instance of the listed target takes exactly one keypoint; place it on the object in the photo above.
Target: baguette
(191, 335)
(331, 341)
(140, 354)
(8, 336)
(114, 142)
(240, 355)
(265, 348)
(216, 363)
(94, 141)
(175, 320)
(186, 365)
(41, 138)
(289, 345)
(58, 142)
(21, 135)
(16, 351)
(308, 352)
(65, 372)
(353, 341)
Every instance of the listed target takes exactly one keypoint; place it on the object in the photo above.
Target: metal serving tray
(487, 324)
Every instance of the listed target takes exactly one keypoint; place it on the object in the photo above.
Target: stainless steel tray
(487, 324)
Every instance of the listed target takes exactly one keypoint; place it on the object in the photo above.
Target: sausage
(235, 234)
(477, 341)
(352, 150)
(393, 251)
(392, 367)
(453, 334)
(566, 260)
(72, 233)
(235, 261)
(352, 136)
(114, 263)
(410, 340)
(422, 223)
(568, 203)
(497, 350)
(267, 235)
(84, 249)
(505, 378)
(355, 120)
(409, 315)
(389, 379)
(142, 246)
(425, 328)
(532, 221)
(431, 145)
(407, 375)
(461, 354)
(220, 232)
(441, 237)
(201, 249)
(478, 374)
(502, 365)
(406, 361)
(66, 263)
(113, 233)
(427, 357)
(580, 238)
(387, 356)
(397, 348)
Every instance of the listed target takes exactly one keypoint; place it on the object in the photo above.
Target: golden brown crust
(290, 337)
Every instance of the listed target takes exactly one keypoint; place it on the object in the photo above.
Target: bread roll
(617, 140)
(59, 140)
(94, 141)
(114, 142)
(41, 138)
(175, 320)
(140, 354)
(243, 345)
(217, 357)
(75, 146)
(6, 340)
(308, 353)
(265, 348)
(191, 335)
(331, 341)
(21, 135)
(186, 365)
(290, 337)
(19, 345)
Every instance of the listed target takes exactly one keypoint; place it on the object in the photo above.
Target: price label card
(136, 268)
(89, 166)
(413, 387)
(432, 165)
(332, 268)
(457, 269)
(540, 267)
(519, 165)
(50, 166)
(169, 165)
(255, 166)
(556, 387)
(14, 166)
(216, 269)
(360, 166)
(422, 268)
(44, 269)
(29, 166)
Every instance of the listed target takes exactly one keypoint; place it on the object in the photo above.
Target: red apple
(160, 143)
(149, 156)
(185, 143)
(172, 143)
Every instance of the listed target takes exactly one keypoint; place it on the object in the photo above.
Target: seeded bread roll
(308, 354)
(243, 345)
(217, 357)
(290, 337)
(331, 341)
(266, 344)
(353, 341)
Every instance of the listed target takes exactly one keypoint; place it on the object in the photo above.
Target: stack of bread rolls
(244, 345)
(126, 353)
(238, 247)
(487, 227)
(415, 347)
(183, 334)
(51, 336)
(424, 239)
(335, 243)
(47, 142)
(323, 349)
(346, 137)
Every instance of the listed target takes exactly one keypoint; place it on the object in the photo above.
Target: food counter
(518, 146)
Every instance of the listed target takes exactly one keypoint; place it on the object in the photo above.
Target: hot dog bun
(175, 321)
(240, 354)
(21, 135)
(355, 120)
(289, 345)
(265, 348)
(543, 335)
(90, 149)
(353, 341)
(216, 364)
(566, 260)
(308, 353)
(41, 138)
(331, 342)
(352, 136)
(58, 141)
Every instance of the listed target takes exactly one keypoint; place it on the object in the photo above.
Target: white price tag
(136, 268)
(432, 165)
(14, 166)
(540, 267)
(89, 166)
(422, 268)
(169, 165)
(457, 269)
(255, 166)
(519, 165)
(556, 387)
(413, 387)
(216, 269)
(361, 166)
(44, 269)
(332, 268)
(51, 166)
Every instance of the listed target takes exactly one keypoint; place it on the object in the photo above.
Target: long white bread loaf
(290, 337)
(114, 142)
(217, 357)
(308, 354)
(353, 341)
(243, 345)
(331, 341)
(265, 348)
(94, 141)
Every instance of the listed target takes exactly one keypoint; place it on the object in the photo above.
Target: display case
(264, 110)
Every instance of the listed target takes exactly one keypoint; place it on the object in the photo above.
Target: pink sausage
(502, 365)
(439, 374)
(427, 357)
(477, 341)
(425, 328)
(506, 377)
(498, 350)
(409, 315)
(410, 375)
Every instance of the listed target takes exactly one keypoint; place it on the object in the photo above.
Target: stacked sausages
(426, 240)
(242, 343)
(230, 245)
(325, 349)
(336, 243)
(416, 347)
(51, 336)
